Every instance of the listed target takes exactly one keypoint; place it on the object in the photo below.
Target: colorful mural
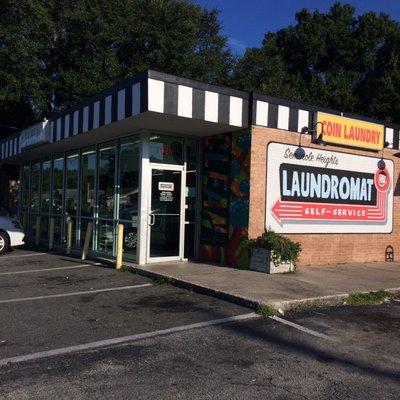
(237, 253)
(215, 215)
(226, 198)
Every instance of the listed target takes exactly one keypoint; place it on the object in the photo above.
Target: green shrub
(282, 248)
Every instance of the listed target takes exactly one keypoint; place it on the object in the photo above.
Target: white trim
(302, 120)
(168, 167)
(235, 111)
(389, 137)
(185, 101)
(283, 117)
(141, 255)
(262, 113)
(211, 106)
(156, 95)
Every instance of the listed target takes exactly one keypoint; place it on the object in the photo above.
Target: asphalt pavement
(79, 330)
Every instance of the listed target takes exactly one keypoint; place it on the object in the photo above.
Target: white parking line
(300, 328)
(52, 296)
(25, 255)
(46, 269)
(124, 339)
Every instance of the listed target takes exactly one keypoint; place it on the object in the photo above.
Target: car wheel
(4, 243)
(130, 239)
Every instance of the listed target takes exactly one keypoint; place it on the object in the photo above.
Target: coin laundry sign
(327, 192)
(350, 132)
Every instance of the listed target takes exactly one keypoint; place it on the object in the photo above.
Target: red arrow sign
(290, 210)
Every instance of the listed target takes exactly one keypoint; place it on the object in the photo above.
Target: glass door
(166, 213)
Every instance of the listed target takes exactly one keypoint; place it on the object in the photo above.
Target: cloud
(237, 44)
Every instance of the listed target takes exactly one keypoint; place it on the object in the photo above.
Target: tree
(335, 60)
(25, 40)
(55, 53)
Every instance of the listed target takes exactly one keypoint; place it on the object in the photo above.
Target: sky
(246, 21)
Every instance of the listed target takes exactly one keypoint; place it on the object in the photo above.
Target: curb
(287, 305)
(284, 306)
(232, 298)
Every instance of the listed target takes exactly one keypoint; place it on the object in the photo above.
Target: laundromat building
(192, 170)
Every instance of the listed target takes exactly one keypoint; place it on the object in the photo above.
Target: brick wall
(319, 249)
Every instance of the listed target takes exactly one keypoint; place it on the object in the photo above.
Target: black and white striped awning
(273, 112)
(173, 103)
(148, 92)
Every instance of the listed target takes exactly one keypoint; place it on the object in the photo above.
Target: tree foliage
(54, 53)
(336, 60)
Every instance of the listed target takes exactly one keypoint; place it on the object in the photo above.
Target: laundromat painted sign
(350, 132)
(318, 191)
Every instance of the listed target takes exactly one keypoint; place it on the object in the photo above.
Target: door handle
(152, 219)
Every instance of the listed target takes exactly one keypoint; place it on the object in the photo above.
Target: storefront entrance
(166, 215)
(148, 182)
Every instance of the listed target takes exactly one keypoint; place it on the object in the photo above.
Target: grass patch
(366, 299)
(266, 311)
(163, 281)
(316, 305)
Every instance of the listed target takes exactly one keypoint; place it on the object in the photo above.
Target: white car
(11, 234)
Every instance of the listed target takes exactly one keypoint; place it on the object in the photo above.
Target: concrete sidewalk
(308, 285)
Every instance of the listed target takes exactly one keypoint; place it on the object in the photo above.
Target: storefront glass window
(105, 236)
(106, 184)
(44, 228)
(58, 171)
(166, 149)
(25, 186)
(88, 180)
(35, 187)
(83, 226)
(129, 193)
(46, 184)
(71, 192)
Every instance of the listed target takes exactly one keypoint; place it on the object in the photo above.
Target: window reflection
(71, 192)
(166, 149)
(106, 169)
(25, 186)
(46, 182)
(129, 193)
(35, 182)
(88, 176)
(58, 170)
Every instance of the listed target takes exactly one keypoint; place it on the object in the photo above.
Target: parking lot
(73, 329)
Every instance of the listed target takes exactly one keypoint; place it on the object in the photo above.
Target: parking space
(83, 331)
(61, 301)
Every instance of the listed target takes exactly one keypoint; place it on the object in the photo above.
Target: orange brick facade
(319, 249)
